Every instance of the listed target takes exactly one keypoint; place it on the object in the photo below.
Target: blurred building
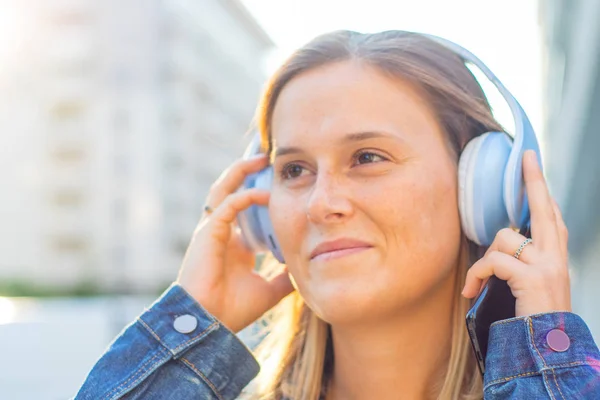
(572, 38)
(116, 117)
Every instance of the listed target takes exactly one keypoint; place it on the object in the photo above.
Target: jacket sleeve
(173, 350)
(542, 356)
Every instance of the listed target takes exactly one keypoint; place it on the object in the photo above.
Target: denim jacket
(162, 356)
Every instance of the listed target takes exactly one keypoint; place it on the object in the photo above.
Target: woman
(363, 132)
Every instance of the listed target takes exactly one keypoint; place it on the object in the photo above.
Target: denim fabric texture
(151, 360)
(520, 364)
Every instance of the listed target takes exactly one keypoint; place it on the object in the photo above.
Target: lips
(340, 246)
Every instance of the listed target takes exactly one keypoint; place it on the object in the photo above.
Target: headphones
(491, 188)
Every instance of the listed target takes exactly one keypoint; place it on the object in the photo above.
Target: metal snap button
(185, 323)
(558, 340)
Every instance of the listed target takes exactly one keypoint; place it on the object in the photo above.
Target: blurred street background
(117, 115)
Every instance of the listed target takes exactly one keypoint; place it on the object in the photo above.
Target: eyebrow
(351, 137)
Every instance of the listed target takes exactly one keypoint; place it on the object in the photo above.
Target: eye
(291, 171)
(367, 157)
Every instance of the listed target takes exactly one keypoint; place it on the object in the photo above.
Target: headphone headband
(524, 136)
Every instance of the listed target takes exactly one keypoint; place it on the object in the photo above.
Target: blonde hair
(297, 355)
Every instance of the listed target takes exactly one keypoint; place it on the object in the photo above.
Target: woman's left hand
(539, 278)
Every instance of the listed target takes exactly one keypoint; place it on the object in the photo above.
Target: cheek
(419, 216)
(439, 226)
(444, 216)
(435, 204)
(287, 215)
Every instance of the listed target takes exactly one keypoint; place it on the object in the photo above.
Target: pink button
(558, 340)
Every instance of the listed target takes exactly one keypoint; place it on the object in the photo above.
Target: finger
(220, 223)
(495, 263)
(563, 233)
(543, 221)
(237, 202)
(508, 241)
(233, 177)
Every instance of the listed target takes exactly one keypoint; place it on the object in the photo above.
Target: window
(68, 244)
(67, 109)
(68, 198)
(67, 155)
(79, 67)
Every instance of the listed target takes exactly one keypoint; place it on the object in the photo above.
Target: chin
(360, 287)
(367, 296)
(353, 300)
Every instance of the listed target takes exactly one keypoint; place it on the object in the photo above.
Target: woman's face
(360, 156)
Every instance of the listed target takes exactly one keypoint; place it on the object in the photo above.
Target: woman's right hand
(218, 268)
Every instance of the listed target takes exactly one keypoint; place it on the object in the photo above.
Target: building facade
(115, 119)
(572, 38)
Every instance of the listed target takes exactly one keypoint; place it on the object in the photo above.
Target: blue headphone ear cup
(248, 220)
(264, 181)
(481, 184)
(255, 223)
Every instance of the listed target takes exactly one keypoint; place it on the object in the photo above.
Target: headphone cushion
(465, 187)
(256, 227)
(481, 184)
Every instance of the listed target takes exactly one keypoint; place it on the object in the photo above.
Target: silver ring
(208, 209)
(520, 249)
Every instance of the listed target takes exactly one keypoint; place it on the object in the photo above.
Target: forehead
(347, 97)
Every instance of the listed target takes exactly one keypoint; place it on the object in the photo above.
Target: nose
(329, 200)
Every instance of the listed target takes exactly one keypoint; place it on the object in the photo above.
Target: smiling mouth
(334, 254)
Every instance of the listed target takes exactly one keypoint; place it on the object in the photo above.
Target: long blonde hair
(297, 355)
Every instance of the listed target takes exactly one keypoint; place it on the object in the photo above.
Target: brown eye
(291, 171)
(367, 157)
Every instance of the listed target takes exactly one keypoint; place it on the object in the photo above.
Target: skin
(391, 302)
